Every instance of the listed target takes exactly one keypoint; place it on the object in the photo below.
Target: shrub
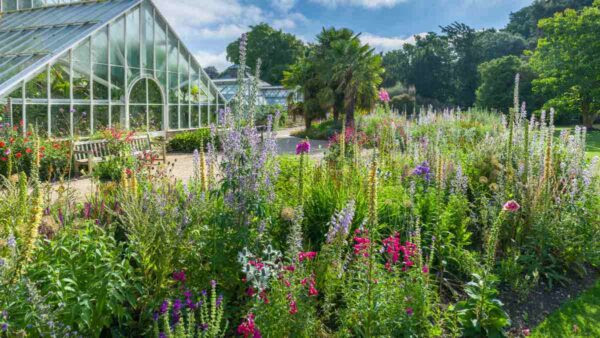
(189, 141)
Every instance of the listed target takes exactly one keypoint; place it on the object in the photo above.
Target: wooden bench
(88, 153)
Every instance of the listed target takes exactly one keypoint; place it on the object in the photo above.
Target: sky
(208, 26)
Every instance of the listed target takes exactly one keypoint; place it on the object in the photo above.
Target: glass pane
(195, 90)
(16, 115)
(100, 118)
(162, 79)
(138, 92)
(173, 88)
(118, 116)
(173, 53)
(161, 45)
(59, 78)
(81, 120)
(195, 116)
(173, 117)
(148, 27)
(37, 118)
(156, 118)
(134, 74)
(117, 42)
(100, 46)
(10, 5)
(137, 118)
(154, 94)
(184, 81)
(81, 71)
(133, 38)
(185, 116)
(100, 82)
(37, 88)
(118, 83)
(60, 121)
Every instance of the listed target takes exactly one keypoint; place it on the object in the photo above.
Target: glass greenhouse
(267, 94)
(71, 68)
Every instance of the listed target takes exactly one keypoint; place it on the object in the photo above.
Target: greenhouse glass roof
(30, 38)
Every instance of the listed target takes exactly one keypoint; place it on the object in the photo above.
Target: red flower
(306, 255)
(18, 155)
(28, 150)
(42, 148)
(29, 133)
(293, 308)
(4, 159)
(2, 144)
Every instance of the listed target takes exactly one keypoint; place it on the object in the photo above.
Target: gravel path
(183, 163)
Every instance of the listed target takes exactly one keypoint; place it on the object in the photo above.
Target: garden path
(182, 164)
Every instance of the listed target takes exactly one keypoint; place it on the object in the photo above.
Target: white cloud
(384, 44)
(219, 60)
(290, 21)
(370, 4)
(221, 32)
(283, 5)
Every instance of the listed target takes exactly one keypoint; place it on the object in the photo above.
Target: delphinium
(302, 149)
(192, 316)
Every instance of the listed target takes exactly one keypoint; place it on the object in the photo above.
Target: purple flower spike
(164, 307)
(213, 283)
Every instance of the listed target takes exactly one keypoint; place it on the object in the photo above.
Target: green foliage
(86, 279)
(112, 169)
(566, 61)
(498, 79)
(189, 141)
(339, 73)
(481, 314)
(276, 49)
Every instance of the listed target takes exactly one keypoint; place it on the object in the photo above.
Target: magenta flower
(384, 96)
(302, 147)
(409, 311)
(179, 276)
(511, 206)
(425, 269)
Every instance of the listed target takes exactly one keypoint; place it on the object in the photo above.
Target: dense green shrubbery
(189, 141)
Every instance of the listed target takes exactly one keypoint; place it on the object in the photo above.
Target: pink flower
(290, 268)
(511, 206)
(306, 255)
(293, 308)
(302, 147)
(384, 96)
(247, 328)
(361, 248)
(409, 311)
(526, 332)
(425, 269)
(312, 291)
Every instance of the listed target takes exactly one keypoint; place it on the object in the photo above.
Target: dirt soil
(528, 312)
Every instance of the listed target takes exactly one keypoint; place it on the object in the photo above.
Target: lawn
(577, 318)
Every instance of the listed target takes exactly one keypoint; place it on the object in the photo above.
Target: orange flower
(2, 144)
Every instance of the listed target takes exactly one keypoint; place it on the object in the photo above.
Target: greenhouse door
(146, 106)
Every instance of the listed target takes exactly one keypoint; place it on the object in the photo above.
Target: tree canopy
(339, 73)
(276, 49)
(566, 59)
(498, 80)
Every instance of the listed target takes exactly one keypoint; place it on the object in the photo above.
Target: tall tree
(498, 80)
(395, 62)
(567, 59)
(525, 20)
(339, 73)
(276, 49)
(493, 44)
(462, 39)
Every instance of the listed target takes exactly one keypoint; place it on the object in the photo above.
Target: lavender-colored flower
(84, 114)
(213, 283)
(4, 327)
(7, 152)
(162, 335)
(460, 181)
(11, 241)
(219, 300)
(203, 327)
(424, 170)
(340, 222)
(203, 292)
(1, 262)
(155, 316)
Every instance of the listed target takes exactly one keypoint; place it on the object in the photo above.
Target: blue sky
(207, 26)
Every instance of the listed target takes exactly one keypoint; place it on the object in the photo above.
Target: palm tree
(357, 73)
